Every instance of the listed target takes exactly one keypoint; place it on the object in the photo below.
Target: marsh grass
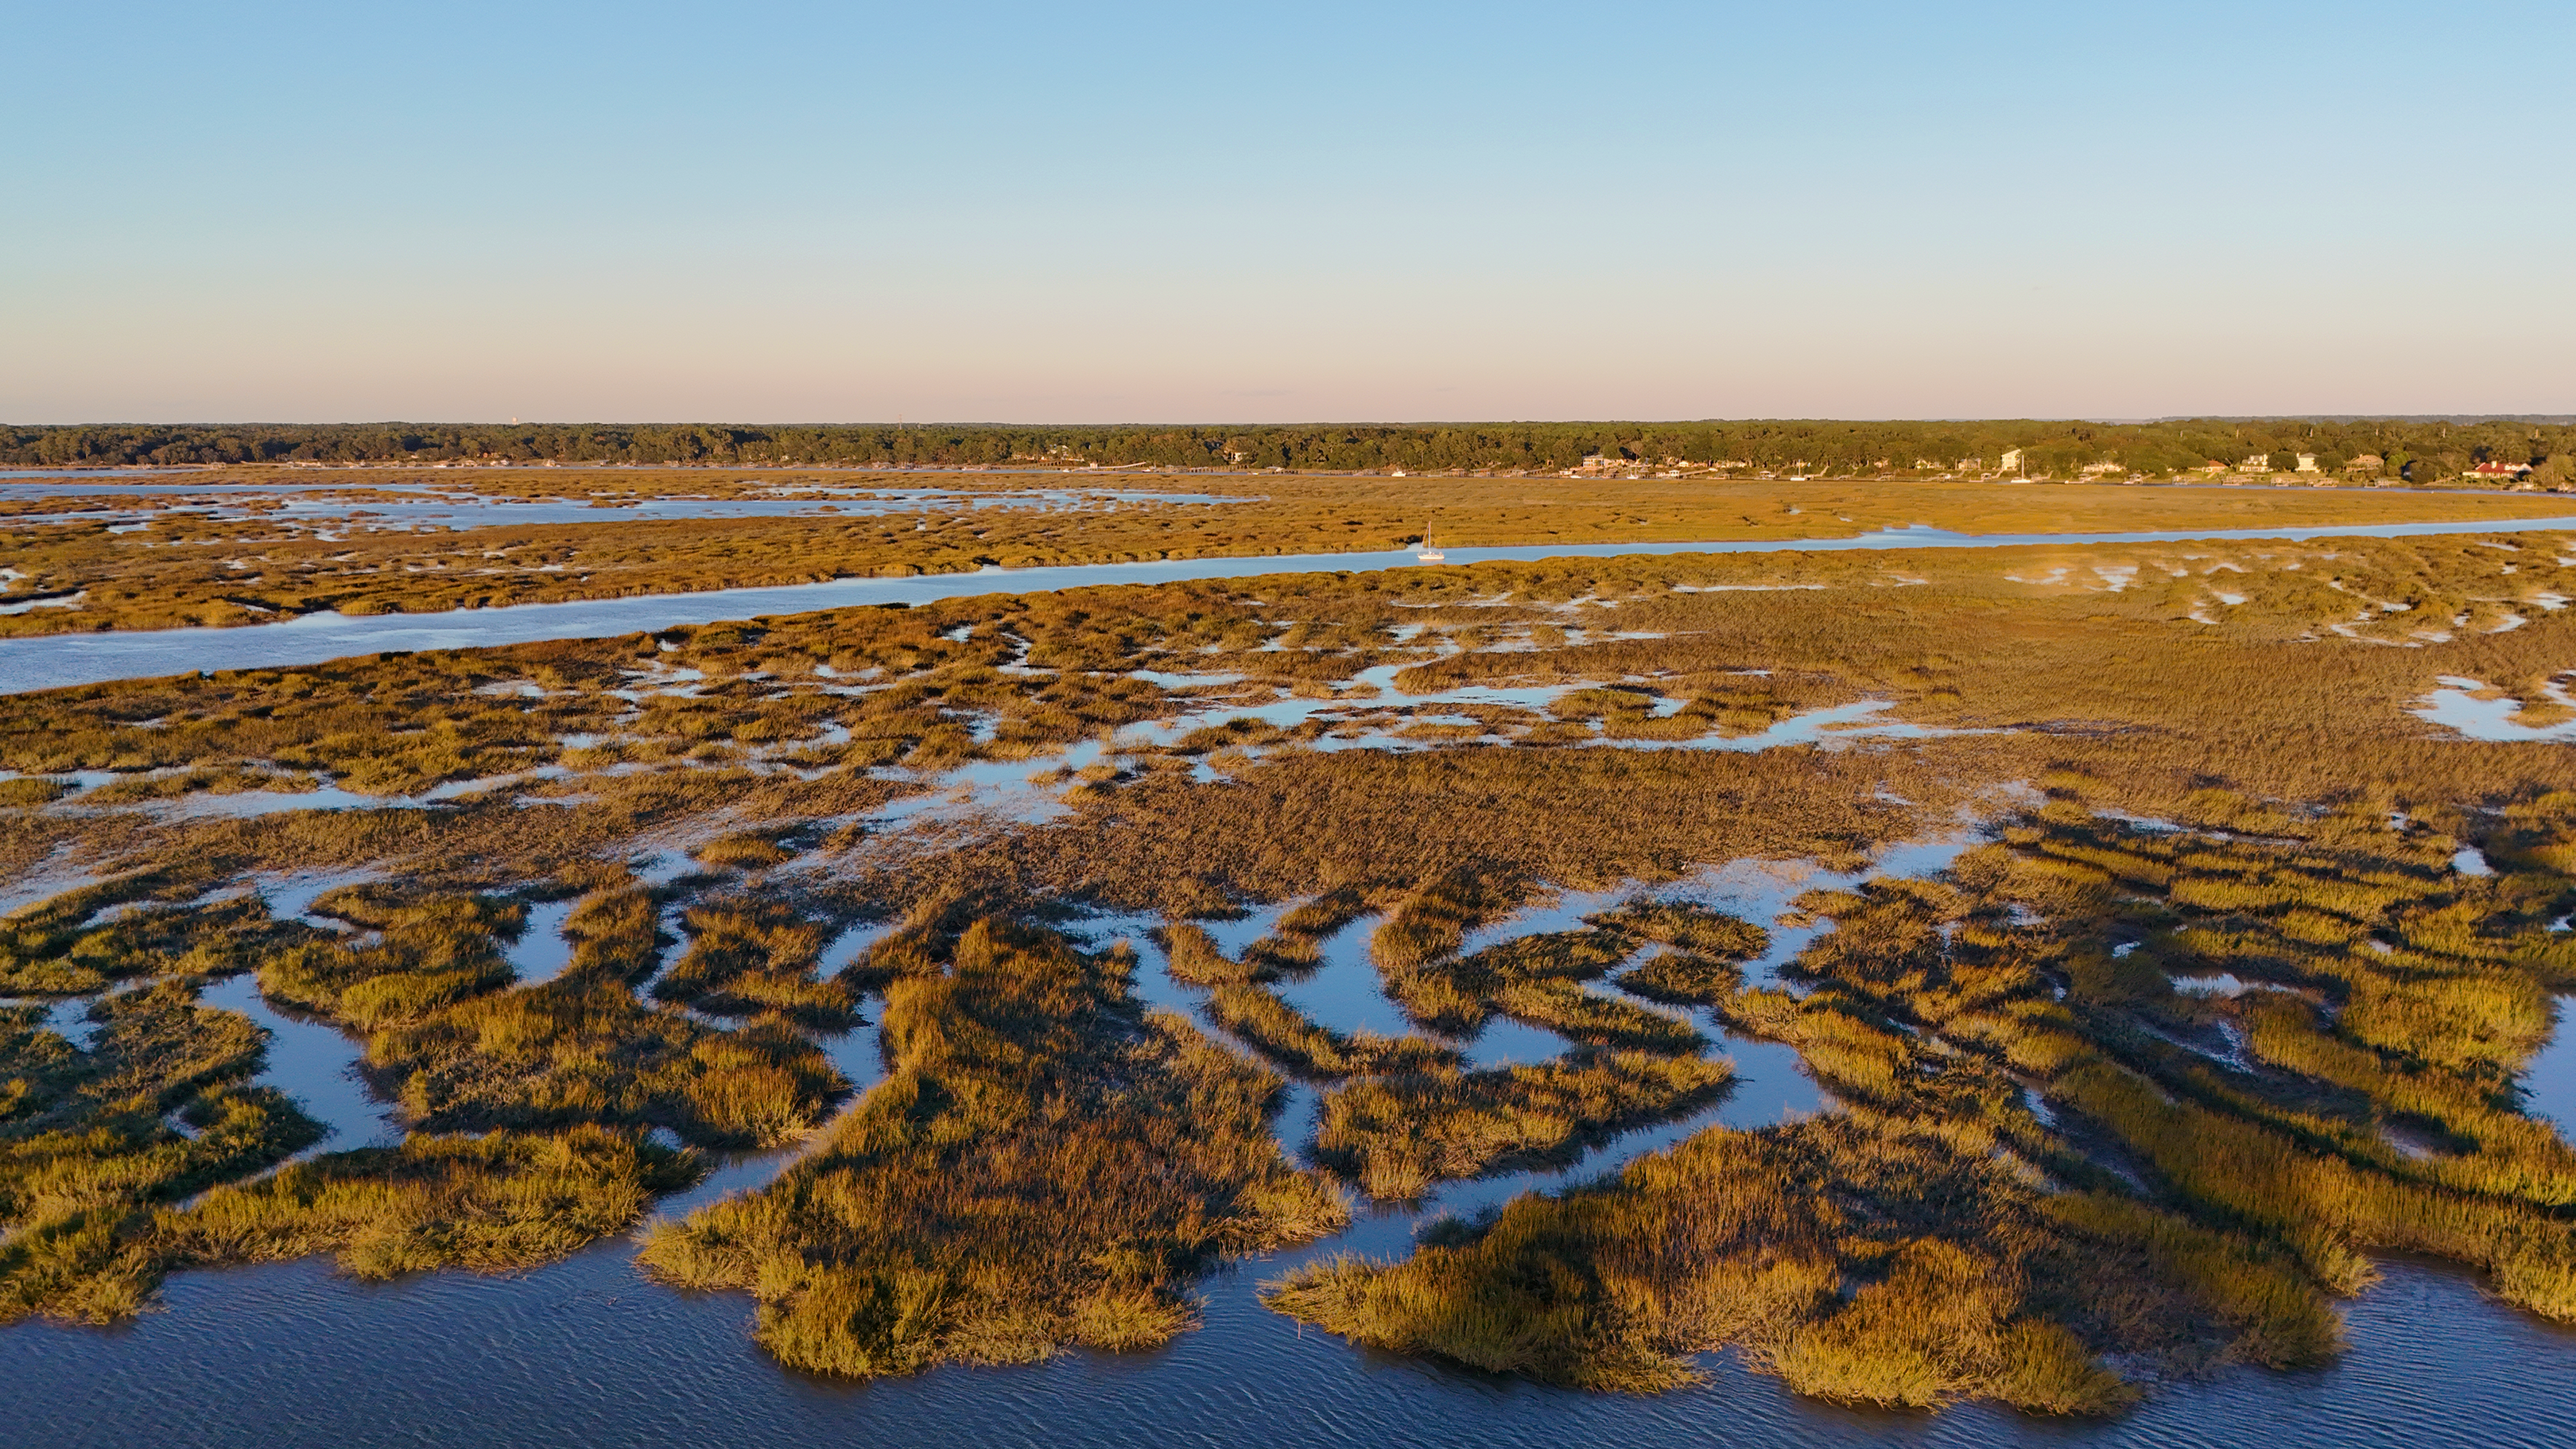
(133, 929)
(755, 958)
(90, 1142)
(616, 932)
(1258, 1017)
(178, 571)
(1582, 1016)
(1042, 1166)
(574, 1052)
(747, 850)
(1193, 958)
(1396, 1135)
(1046, 1167)
(1682, 978)
(491, 1204)
(2256, 1187)
(1859, 1260)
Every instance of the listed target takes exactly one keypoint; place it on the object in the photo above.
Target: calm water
(52, 661)
(317, 1065)
(586, 1351)
(2549, 1079)
(2456, 706)
(336, 509)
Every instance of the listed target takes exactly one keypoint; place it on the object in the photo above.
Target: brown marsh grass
(180, 570)
(1046, 1167)
(1043, 1166)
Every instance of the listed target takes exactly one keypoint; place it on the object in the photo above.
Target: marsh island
(2054, 980)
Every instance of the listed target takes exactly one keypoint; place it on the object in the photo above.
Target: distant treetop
(2417, 448)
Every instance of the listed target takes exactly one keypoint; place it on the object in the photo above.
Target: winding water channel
(56, 660)
(334, 510)
(588, 1351)
(585, 1351)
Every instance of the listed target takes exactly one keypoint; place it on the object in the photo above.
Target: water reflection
(2467, 706)
(2549, 1079)
(53, 661)
(317, 1066)
(585, 1350)
(336, 510)
(542, 951)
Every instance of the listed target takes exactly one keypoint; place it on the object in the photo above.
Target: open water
(587, 1351)
(56, 660)
(336, 509)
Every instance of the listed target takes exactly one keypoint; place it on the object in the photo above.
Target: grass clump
(1872, 1263)
(25, 792)
(1687, 926)
(747, 850)
(1396, 1135)
(1042, 1166)
(1578, 1015)
(490, 1204)
(616, 933)
(430, 950)
(753, 958)
(574, 1052)
(92, 1141)
(1433, 921)
(1456, 995)
(1257, 1016)
(1192, 956)
(1682, 978)
(135, 927)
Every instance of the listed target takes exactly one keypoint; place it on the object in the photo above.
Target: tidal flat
(1756, 996)
(252, 546)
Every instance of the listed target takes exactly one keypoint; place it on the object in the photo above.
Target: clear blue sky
(1284, 212)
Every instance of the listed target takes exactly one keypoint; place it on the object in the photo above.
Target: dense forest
(2417, 449)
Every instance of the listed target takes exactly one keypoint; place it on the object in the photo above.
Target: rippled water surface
(586, 1351)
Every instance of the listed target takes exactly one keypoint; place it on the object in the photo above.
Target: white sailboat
(1429, 554)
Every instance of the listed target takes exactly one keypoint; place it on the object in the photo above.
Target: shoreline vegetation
(2222, 980)
(1043, 1166)
(2394, 447)
(81, 564)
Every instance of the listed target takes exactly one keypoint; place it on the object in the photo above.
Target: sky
(775, 212)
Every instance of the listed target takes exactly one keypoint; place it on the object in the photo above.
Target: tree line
(2415, 448)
